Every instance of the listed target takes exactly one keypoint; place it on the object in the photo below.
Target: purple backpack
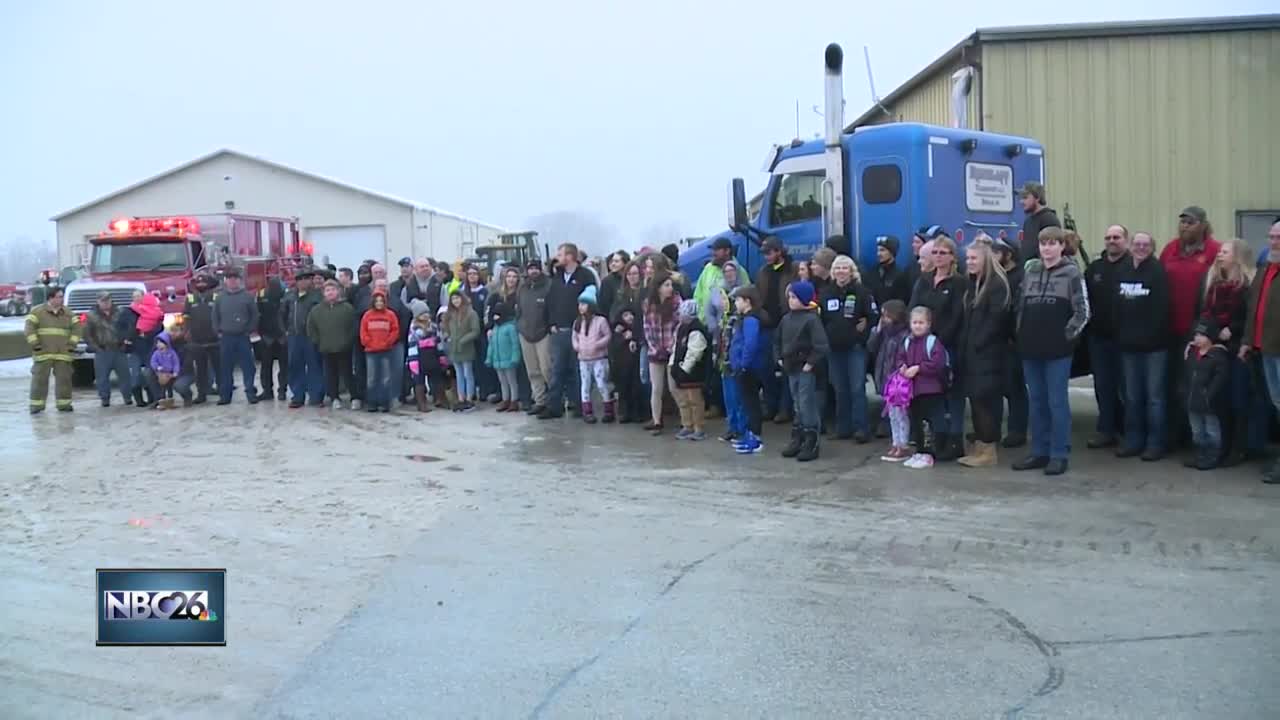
(897, 392)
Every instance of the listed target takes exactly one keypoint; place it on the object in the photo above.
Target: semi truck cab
(879, 180)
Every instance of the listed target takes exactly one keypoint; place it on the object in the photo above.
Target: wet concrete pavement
(530, 570)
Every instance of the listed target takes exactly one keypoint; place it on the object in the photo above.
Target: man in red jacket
(1186, 260)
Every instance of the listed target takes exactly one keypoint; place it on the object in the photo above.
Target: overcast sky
(500, 111)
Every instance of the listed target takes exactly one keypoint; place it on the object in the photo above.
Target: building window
(881, 184)
(798, 198)
(1252, 226)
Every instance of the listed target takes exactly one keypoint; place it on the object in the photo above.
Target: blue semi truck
(879, 180)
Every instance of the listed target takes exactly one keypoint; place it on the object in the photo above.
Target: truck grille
(83, 300)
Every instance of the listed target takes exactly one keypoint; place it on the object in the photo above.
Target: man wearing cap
(712, 275)
(273, 348)
(772, 279)
(534, 326)
(886, 281)
(406, 273)
(235, 318)
(108, 354)
(1103, 282)
(197, 316)
(1039, 217)
(306, 377)
(1186, 260)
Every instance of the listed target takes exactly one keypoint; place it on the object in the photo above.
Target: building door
(347, 246)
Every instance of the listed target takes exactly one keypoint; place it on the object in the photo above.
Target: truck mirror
(737, 205)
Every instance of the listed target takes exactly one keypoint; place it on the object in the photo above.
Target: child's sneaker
(749, 446)
(355, 404)
(337, 404)
(919, 461)
(697, 436)
(683, 433)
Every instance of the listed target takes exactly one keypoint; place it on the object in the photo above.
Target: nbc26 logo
(157, 605)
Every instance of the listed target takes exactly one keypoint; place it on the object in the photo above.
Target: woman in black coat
(984, 349)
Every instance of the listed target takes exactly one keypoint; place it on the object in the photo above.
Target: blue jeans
(564, 370)
(1048, 407)
(466, 371)
(1145, 423)
(1271, 373)
(233, 351)
(398, 370)
(379, 373)
(104, 361)
(1206, 431)
(848, 372)
(804, 392)
(306, 376)
(733, 404)
(1108, 384)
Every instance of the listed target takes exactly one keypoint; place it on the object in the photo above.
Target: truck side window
(799, 197)
(881, 184)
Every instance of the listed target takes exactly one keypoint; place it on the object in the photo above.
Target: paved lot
(529, 570)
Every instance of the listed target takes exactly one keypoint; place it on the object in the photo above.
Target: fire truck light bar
(135, 226)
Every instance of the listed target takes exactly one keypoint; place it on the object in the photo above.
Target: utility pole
(797, 118)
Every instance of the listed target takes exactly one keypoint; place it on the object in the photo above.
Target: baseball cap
(771, 243)
(933, 232)
(533, 264)
(405, 261)
(722, 243)
(1195, 212)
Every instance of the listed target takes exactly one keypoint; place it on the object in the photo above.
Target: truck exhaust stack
(833, 186)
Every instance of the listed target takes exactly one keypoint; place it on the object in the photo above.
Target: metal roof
(1068, 31)
(395, 200)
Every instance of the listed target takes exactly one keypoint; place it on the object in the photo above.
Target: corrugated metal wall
(1136, 128)
(931, 102)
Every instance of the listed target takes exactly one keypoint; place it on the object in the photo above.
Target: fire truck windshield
(121, 257)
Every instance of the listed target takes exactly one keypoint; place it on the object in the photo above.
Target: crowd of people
(1181, 341)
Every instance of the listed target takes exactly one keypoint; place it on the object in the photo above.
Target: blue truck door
(793, 212)
(882, 205)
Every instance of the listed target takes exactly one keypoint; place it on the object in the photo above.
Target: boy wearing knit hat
(1208, 372)
(801, 344)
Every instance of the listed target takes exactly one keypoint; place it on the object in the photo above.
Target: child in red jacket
(379, 332)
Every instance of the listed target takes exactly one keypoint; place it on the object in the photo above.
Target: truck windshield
(798, 197)
(139, 256)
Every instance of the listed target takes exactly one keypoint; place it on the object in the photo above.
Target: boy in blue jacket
(749, 362)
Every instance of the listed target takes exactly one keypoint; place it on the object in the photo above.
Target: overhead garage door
(347, 246)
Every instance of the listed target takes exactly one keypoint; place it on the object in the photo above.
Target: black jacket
(799, 339)
(428, 292)
(886, 283)
(531, 309)
(772, 283)
(295, 310)
(984, 348)
(608, 291)
(1207, 377)
(1140, 313)
(270, 300)
(842, 308)
(562, 301)
(1031, 227)
(946, 300)
(1103, 280)
(198, 311)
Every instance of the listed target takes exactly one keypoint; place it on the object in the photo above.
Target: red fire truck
(162, 256)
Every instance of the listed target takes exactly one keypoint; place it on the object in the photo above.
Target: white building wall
(448, 238)
(256, 189)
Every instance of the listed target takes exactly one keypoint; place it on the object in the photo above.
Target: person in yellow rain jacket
(52, 332)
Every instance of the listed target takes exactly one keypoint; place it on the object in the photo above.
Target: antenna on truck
(866, 54)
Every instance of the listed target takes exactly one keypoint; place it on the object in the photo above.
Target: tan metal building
(1138, 119)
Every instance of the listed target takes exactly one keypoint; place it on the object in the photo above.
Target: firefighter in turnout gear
(52, 332)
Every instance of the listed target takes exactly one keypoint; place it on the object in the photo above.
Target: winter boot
(797, 441)
(587, 415)
(420, 395)
(138, 399)
(983, 455)
(1207, 458)
(608, 412)
(809, 448)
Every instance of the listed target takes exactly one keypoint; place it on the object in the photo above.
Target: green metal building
(1138, 119)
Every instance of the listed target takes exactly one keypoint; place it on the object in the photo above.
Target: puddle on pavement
(423, 458)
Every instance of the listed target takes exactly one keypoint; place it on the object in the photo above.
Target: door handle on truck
(991, 225)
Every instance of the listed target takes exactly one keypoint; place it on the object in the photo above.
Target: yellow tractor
(514, 249)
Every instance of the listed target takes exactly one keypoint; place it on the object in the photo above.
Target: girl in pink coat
(591, 343)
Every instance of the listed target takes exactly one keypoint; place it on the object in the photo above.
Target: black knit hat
(888, 242)
(1207, 328)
